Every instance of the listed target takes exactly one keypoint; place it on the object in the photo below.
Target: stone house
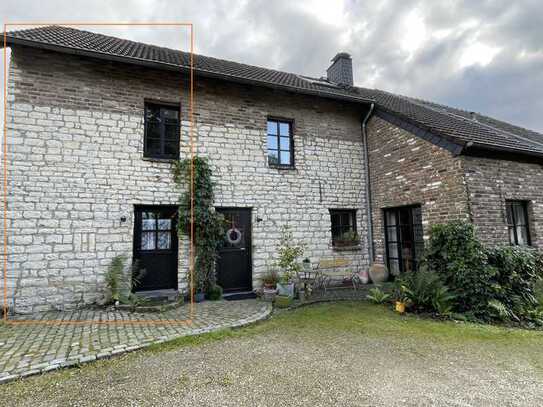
(95, 122)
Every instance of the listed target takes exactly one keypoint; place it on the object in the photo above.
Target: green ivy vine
(208, 224)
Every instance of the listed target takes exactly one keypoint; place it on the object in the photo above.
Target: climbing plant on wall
(208, 225)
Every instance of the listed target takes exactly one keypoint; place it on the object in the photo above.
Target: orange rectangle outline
(192, 154)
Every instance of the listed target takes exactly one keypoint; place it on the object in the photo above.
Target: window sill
(281, 167)
(353, 248)
(160, 160)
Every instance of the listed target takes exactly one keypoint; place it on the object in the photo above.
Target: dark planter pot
(199, 297)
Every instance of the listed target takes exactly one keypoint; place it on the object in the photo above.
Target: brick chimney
(341, 70)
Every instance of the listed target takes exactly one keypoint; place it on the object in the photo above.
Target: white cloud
(477, 54)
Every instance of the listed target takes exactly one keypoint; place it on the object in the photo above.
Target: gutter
(367, 184)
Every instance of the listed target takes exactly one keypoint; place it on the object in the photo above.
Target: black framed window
(280, 143)
(404, 238)
(517, 222)
(161, 131)
(343, 226)
(156, 231)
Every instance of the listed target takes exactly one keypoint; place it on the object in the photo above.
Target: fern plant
(377, 296)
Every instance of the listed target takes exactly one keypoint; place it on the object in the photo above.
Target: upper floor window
(517, 222)
(280, 146)
(344, 227)
(161, 131)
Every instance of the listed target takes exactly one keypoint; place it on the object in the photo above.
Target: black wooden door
(234, 267)
(155, 247)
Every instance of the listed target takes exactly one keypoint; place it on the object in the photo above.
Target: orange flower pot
(400, 307)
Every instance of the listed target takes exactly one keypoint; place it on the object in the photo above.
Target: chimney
(341, 70)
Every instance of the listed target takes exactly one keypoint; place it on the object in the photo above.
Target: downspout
(368, 188)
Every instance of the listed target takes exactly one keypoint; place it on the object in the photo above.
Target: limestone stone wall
(76, 167)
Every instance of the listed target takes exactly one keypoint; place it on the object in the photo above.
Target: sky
(481, 56)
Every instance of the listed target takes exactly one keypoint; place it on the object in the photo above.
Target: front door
(155, 248)
(234, 266)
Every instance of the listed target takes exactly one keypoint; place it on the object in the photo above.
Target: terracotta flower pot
(378, 273)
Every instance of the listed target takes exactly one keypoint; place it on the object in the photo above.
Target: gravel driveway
(348, 354)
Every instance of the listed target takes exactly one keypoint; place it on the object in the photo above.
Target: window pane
(509, 210)
(284, 129)
(170, 115)
(285, 143)
(148, 221)
(391, 218)
(522, 235)
(148, 241)
(164, 240)
(392, 234)
(152, 112)
(520, 217)
(392, 250)
(512, 235)
(394, 267)
(272, 127)
(171, 131)
(170, 148)
(152, 146)
(272, 142)
(273, 157)
(164, 224)
(285, 157)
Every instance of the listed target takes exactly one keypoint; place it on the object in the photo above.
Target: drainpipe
(368, 188)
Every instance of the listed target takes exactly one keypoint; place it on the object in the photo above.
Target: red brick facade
(405, 169)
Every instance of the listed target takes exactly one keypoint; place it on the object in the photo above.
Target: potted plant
(283, 301)
(348, 239)
(401, 297)
(269, 285)
(214, 293)
(289, 252)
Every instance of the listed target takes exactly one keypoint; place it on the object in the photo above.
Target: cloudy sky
(483, 56)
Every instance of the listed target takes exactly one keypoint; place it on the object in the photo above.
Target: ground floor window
(343, 223)
(517, 222)
(403, 238)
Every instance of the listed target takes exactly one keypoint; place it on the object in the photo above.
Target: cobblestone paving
(56, 340)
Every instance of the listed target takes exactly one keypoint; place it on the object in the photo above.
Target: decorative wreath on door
(233, 235)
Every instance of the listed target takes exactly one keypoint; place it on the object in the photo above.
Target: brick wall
(75, 147)
(407, 170)
(490, 183)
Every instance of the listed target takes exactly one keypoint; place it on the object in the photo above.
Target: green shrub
(499, 283)
(377, 296)
(460, 260)
(214, 293)
(518, 273)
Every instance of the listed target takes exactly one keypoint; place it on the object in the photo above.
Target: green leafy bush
(499, 283)
(517, 275)
(214, 293)
(460, 260)
(377, 296)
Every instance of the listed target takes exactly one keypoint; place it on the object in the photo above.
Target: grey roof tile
(454, 125)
